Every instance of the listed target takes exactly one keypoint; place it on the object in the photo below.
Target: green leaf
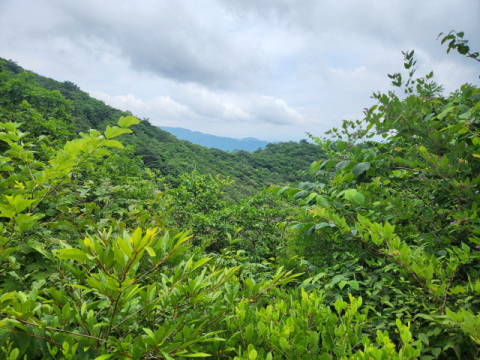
(336, 279)
(150, 251)
(348, 177)
(279, 191)
(320, 200)
(359, 198)
(125, 122)
(349, 194)
(113, 143)
(166, 355)
(353, 284)
(249, 330)
(18, 202)
(322, 225)
(150, 334)
(71, 254)
(360, 168)
(330, 164)
(436, 352)
(125, 247)
(283, 343)
(104, 357)
(477, 287)
(429, 272)
(298, 194)
(115, 131)
(467, 115)
(342, 165)
(196, 355)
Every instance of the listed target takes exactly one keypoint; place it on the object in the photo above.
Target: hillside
(160, 150)
(218, 142)
(376, 256)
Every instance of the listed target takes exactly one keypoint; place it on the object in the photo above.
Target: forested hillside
(374, 256)
(159, 150)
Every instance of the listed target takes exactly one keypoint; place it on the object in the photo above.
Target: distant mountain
(219, 142)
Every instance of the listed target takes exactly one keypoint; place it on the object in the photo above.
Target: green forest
(119, 241)
(158, 150)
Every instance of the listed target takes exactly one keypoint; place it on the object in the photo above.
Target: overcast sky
(271, 69)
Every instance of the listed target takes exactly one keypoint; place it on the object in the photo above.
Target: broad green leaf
(18, 202)
(113, 143)
(72, 254)
(150, 334)
(125, 247)
(336, 279)
(342, 165)
(150, 251)
(115, 131)
(424, 338)
(105, 357)
(197, 355)
(359, 198)
(348, 177)
(330, 164)
(283, 343)
(477, 287)
(280, 190)
(125, 122)
(323, 224)
(436, 352)
(360, 168)
(349, 194)
(353, 284)
(429, 272)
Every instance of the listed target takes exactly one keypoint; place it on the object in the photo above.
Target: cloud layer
(272, 69)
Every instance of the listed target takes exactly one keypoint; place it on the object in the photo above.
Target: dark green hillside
(159, 150)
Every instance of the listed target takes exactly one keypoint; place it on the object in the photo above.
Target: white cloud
(271, 69)
(162, 105)
(194, 103)
(167, 39)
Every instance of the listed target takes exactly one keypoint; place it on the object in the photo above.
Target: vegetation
(160, 151)
(374, 255)
(397, 220)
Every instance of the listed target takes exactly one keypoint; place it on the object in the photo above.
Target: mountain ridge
(219, 142)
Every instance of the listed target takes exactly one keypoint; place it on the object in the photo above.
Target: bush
(401, 212)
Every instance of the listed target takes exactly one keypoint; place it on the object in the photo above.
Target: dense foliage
(397, 219)
(378, 257)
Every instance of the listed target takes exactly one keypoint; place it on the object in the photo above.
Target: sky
(270, 69)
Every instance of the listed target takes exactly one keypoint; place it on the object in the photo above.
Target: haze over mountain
(219, 142)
